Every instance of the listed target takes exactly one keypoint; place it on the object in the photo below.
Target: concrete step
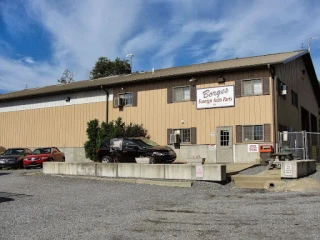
(255, 178)
(253, 181)
(250, 184)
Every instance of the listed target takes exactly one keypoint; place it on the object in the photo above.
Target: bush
(97, 134)
(90, 146)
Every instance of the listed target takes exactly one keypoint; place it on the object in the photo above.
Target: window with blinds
(251, 87)
(181, 94)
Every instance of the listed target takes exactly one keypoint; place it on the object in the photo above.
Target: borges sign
(215, 97)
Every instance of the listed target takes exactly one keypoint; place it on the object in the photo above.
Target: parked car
(2, 149)
(40, 155)
(127, 149)
(13, 157)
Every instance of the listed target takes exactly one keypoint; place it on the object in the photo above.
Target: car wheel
(63, 159)
(152, 160)
(106, 159)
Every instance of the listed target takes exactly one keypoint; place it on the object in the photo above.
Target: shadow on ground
(8, 197)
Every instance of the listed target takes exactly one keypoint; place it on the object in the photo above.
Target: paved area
(36, 206)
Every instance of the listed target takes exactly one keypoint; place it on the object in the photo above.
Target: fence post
(279, 142)
(305, 142)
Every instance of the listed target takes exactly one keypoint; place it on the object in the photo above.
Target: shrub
(97, 134)
(90, 146)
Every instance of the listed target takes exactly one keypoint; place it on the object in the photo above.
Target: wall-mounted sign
(199, 171)
(287, 169)
(253, 148)
(212, 147)
(215, 97)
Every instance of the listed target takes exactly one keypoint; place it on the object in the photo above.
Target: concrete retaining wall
(185, 153)
(297, 168)
(210, 172)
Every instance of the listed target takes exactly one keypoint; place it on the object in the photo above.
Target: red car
(40, 155)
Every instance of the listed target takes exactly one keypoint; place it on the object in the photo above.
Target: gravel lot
(37, 206)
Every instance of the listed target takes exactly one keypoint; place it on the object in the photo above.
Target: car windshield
(42, 151)
(14, 151)
(147, 142)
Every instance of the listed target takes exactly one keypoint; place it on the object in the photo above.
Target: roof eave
(294, 57)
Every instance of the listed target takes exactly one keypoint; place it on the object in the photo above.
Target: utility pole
(309, 39)
(130, 56)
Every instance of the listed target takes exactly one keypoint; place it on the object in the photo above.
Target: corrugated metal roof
(158, 74)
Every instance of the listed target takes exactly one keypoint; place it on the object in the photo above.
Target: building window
(127, 97)
(181, 94)
(294, 99)
(224, 138)
(282, 90)
(251, 87)
(253, 133)
(184, 134)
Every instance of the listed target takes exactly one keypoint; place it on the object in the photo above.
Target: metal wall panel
(54, 101)
(157, 115)
(63, 126)
(294, 74)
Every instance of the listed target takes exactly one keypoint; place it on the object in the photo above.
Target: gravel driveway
(36, 206)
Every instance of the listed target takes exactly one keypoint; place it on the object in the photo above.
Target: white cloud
(81, 31)
(88, 29)
(15, 74)
(28, 60)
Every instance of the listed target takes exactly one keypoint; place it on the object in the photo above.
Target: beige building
(223, 111)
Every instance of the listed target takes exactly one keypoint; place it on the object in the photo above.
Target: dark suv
(127, 149)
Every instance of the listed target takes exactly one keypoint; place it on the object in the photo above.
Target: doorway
(224, 145)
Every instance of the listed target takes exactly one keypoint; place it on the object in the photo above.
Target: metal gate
(303, 145)
(312, 140)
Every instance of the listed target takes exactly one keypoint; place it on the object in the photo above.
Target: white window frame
(181, 87)
(180, 132)
(125, 97)
(252, 140)
(252, 87)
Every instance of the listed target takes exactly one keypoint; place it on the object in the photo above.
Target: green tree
(67, 77)
(104, 67)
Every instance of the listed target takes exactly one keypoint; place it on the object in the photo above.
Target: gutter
(107, 102)
(274, 106)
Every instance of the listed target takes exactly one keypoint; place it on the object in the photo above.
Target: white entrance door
(224, 145)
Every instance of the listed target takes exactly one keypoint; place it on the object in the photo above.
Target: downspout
(274, 106)
(107, 103)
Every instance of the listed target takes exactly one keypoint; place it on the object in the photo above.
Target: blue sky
(41, 38)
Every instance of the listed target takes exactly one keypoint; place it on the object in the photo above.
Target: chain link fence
(313, 146)
(303, 145)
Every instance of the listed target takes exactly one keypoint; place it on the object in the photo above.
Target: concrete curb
(133, 180)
